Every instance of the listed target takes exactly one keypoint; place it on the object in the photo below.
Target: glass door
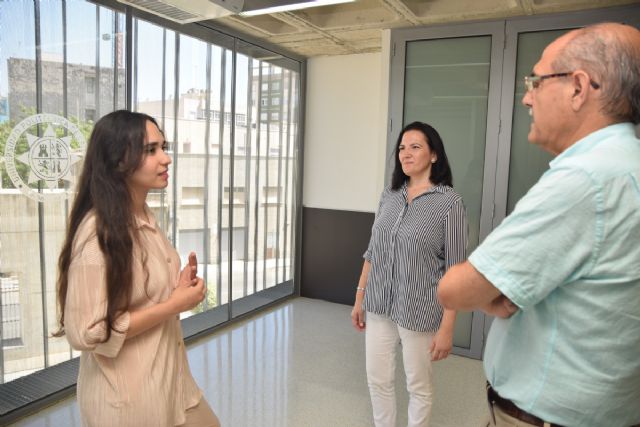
(449, 82)
(465, 80)
(527, 162)
(520, 164)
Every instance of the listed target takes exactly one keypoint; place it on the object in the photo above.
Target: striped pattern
(411, 247)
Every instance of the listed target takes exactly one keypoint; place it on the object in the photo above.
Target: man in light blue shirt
(562, 272)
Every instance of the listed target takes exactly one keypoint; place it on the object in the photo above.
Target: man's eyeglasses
(532, 82)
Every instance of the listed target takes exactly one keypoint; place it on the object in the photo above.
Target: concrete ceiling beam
(401, 10)
(302, 24)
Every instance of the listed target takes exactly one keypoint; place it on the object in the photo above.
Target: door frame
(514, 27)
(502, 79)
(399, 39)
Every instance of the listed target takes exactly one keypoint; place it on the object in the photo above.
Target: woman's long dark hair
(114, 152)
(440, 170)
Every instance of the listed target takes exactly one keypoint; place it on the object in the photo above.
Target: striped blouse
(411, 247)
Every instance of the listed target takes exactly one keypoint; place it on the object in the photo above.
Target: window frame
(229, 39)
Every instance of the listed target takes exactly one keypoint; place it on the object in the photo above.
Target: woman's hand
(441, 344)
(189, 292)
(187, 275)
(357, 313)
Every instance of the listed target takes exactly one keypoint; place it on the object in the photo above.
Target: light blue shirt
(569, 257)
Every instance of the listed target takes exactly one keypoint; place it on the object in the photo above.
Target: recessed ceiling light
(294, 6)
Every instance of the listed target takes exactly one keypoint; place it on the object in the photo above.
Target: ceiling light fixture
(294, 6)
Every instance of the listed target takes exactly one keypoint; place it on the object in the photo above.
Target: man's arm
(464, 288)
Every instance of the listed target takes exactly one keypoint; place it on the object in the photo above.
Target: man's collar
(593, 139)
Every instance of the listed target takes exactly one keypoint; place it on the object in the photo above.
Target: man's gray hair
(612, 61)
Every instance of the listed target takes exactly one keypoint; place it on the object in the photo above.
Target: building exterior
(89, 90)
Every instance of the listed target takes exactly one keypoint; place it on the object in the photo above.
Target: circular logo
(47, 161)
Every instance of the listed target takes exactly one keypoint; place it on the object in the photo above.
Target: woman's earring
(433, 160)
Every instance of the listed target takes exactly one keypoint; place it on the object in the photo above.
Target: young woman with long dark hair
(121, 289)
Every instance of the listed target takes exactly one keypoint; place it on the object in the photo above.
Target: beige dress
(142, 381)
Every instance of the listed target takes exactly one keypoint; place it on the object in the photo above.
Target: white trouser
(382, 338)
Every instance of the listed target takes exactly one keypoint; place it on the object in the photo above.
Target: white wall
(345, 131)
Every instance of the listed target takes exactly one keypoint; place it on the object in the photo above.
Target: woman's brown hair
(114, 152)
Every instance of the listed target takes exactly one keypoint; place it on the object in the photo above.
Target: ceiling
(356, 27)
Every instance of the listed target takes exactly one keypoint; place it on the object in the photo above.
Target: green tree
(210, 298)
(5, 130)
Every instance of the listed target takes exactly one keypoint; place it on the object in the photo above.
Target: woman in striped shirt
(419, 232)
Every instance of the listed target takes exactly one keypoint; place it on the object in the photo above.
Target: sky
(17, 40)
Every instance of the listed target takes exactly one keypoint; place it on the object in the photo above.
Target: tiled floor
(302, 364)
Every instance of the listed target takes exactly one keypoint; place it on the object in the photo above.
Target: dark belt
(509, 408)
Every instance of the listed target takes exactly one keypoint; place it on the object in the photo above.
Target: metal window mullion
(205, 213)
(176, 105)
(280, 120)
(247, 180)
(295, 185)
(266, 186)
(286, 171)
(97, 80)
(223, 64)
(163, 97)
(257, 180)
(231, 172)
(41, 225)
(296, 188)
(163, 89)
(65, 100)
(295, 99)
(134, 92)
(129, 68)
(115, 60)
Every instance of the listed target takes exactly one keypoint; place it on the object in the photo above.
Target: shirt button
(169, 260)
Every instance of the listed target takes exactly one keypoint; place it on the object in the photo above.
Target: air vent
(184, 11)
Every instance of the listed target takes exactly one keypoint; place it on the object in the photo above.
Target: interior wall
(344, 161)
(344, 133)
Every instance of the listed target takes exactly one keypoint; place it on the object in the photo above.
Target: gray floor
(302, 364)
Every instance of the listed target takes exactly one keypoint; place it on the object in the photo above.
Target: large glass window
(55, 80)
(231, 195)
(265, 165)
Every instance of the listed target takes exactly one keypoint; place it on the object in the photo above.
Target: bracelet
(359, 289)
